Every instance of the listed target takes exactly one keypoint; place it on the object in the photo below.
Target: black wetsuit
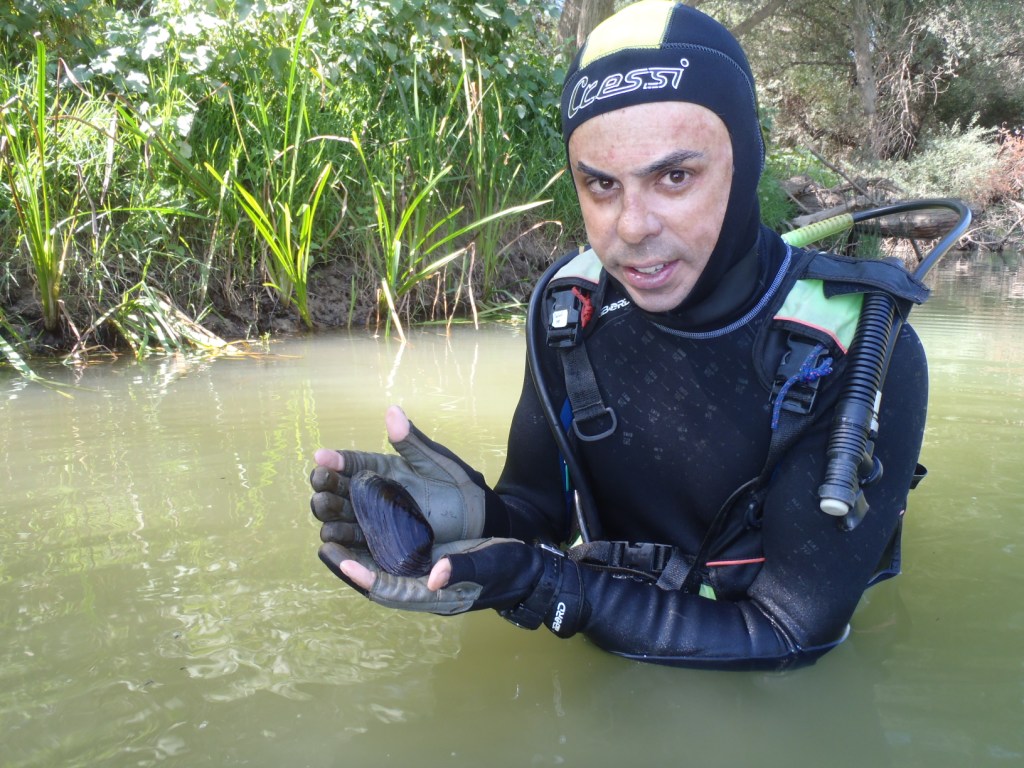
(693, 425)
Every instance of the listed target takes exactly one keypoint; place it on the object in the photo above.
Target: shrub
(1010, 164)
(953, 161)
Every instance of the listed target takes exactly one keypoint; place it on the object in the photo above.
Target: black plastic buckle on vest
(644, 557)
(564, 321)
(801, 395)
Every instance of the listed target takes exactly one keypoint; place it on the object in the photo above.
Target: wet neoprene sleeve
(693, 425)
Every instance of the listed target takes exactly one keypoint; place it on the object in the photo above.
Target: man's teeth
(651, 270)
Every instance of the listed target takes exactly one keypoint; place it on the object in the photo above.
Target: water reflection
(162, 600)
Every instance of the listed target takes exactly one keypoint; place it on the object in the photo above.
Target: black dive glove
(452, 495)
(527, 585)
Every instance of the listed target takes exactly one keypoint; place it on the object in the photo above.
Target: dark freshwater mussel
(397, 534)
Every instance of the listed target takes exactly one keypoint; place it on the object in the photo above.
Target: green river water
(162, 602)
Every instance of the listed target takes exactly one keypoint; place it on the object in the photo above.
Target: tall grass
(30, 169)
(493, 170)
(292, 177)
(422, 181)
(290, 250)
(227, 162)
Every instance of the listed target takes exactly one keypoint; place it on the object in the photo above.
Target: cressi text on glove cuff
(557, 601)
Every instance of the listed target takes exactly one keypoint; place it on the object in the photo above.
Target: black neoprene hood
(658, 50)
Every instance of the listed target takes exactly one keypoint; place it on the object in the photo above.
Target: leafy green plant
(405, 252)
(492, 170)
(776, 207)
(290, 251)
(283, 208)
(143, 102)
(30, 169)
(958, 161)
(402, 250)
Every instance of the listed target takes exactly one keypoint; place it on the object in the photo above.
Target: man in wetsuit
(660, 119)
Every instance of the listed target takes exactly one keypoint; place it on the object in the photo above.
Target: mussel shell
(397, 534)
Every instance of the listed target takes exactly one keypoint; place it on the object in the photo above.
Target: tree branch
(764, 12)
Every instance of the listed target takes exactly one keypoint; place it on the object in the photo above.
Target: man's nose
(637, 221)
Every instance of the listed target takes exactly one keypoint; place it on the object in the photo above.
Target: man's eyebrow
(587, 170)
(669, 162)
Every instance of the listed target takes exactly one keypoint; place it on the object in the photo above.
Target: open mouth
(650, 270)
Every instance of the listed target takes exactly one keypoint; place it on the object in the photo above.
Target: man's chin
(656, 301)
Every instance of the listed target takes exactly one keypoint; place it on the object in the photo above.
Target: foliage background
(247, 167)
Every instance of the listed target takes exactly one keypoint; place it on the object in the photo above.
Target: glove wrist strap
(531, 612)
(568, 609)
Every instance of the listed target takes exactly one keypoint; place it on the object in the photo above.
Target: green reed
(420, 187)
(493, 173)
(290, 249)
(30, 170)
(283, 206)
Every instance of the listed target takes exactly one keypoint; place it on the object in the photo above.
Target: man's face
(653, 182)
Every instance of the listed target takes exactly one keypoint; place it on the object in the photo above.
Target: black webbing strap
(588, 409)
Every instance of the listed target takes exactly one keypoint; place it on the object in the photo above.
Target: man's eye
(676, 177)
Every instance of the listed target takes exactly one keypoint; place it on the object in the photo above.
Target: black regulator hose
(855, 422)
(856, 414)
(536, 323)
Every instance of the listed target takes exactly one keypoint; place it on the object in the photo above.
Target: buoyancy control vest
(815, 312)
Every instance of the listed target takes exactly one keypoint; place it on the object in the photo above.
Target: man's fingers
(355, 462)
(439, 574)
(397, 424)
(330, 459)
(359, 574)
(327, 507)
(347, 463)
(323, 479)
(346, 534)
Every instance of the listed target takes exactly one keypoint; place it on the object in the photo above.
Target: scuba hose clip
(798, 391)
(644, 556)
(565, 318)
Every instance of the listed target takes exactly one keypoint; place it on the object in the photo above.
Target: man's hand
(431, 593)
(527, 585)
(452, 496)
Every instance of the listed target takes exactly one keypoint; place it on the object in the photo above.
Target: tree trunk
(568, 22)
(579, 17)
(922, 225)
(867, 86)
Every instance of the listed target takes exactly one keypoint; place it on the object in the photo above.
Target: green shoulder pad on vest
(584, 268)
(845, 274)
(807, 305)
